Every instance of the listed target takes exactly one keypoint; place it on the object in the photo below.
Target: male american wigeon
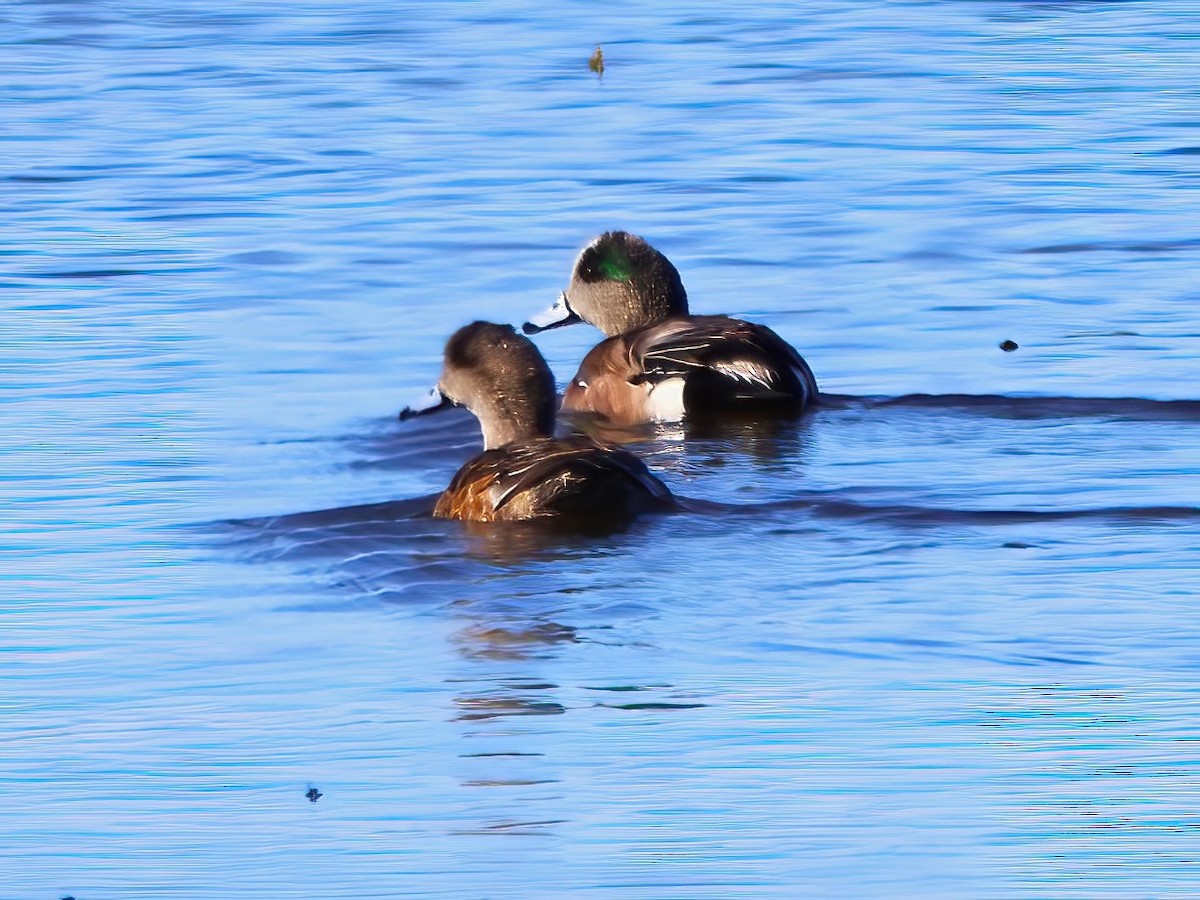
(524, 472)
(658, 363)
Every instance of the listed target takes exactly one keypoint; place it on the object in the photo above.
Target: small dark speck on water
(313, 795)
(1018, 545)
(1008, 346)
(596, 63)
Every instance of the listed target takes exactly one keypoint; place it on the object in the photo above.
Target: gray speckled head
(502, 378)
(620, 283)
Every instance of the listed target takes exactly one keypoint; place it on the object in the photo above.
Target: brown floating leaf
(596, 63)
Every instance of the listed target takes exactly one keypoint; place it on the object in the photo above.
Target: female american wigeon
(524, 471)
(659, 363)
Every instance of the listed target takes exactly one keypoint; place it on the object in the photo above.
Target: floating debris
(313, 795)
(596, 63)
(1008, 346)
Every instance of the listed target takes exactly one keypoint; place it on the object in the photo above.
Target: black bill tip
(429, 403)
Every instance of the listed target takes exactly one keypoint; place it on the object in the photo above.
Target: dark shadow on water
(825, 506)
(1007, 407)
(395, 538)
(405, 530)
(1118, 247)
(399, 540)
(395, 552)
(1037, 10)
(451, 437)
(365, 514)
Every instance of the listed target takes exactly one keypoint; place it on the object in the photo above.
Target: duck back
(573, 478)
(690, 365)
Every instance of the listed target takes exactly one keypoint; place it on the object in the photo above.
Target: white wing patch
(664, 403)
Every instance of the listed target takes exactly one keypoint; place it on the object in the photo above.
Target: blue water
(939, 639)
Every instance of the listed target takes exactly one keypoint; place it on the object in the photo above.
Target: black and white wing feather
(739, 359)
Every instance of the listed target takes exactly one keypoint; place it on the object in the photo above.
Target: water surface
(935, 639)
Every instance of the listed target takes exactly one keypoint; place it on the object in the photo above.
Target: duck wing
(747, 361)
(505, 472)
(536, 462)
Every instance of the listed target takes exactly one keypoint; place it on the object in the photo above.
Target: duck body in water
(659, 363)
(524, 471)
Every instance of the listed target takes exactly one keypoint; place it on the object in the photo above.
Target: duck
(524, 471)
(659, 363)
